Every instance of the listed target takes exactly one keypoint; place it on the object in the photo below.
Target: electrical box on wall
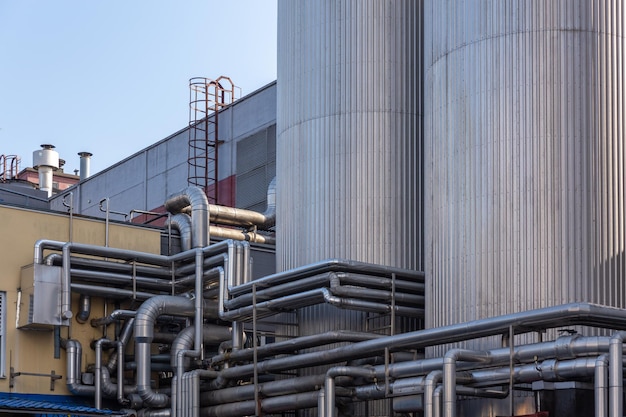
(39, 307)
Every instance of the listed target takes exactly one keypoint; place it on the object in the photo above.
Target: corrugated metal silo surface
(349, 132)
(348, 139)
(524, 132)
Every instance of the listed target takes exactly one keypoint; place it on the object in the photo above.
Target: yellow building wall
(33, 351)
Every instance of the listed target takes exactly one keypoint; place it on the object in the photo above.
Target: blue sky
(111, 77)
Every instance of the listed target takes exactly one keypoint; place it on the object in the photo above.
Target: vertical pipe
(449, 387)
(437, 401)
(120, 372)
(432, 379)
(616, 403)
(600, 386)
(98, 375)
(85, 164)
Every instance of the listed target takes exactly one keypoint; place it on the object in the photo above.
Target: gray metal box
(40, 305)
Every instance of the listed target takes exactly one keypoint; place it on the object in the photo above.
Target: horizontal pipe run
(584, 314)
(312, 297)
(295, 344)
(329, 265)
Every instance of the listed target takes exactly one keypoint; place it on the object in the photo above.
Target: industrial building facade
(444, 236)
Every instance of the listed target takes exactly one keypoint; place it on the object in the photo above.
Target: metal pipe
(601, 389)
(431, 382)
(616, 403)
(316, 296)
(196, 198)
(113, 317)
(84, 309)
(145, 319)
(567, 314)
(267, 405)
(437, 401)
(328, 265)
(449, 375)
(269, 389)
(295, 344)
(329, 383)
(182, 223)
(224, 232)
(98, 373)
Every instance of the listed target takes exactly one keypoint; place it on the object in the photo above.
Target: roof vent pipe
(85, 164)
(46, 160)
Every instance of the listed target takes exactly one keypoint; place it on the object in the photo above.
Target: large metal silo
(348, 132)
(524, 149)
(348, 140)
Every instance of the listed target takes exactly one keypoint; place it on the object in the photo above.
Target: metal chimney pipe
(85, 164)
(46, 160)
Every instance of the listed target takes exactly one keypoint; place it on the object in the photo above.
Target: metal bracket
(52, 375)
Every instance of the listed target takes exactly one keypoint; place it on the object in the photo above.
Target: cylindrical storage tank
(524, 149)
(348, 132)
(348, 139)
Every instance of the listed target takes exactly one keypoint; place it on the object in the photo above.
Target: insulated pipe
(74, 351)
(98, 372)
(267, 405)
(295, 344)
(113, 317)
(241, 217)
(437, 401)
(269, 389)
(212, 334)
(224, 232)
(198, 327)
(533, 320)
(329, 383)
(616, 372)
(333, 280)
(431, 382)
(449, 375)
(145, 319)
(316, 296)
(601, 389)
(196, 198)
(182, 223)
(328, 265)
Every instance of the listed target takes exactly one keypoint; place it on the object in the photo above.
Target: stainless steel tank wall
(524, 155)
(348, 142)
(349, 132)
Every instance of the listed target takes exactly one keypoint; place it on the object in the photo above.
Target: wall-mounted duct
(46, 160)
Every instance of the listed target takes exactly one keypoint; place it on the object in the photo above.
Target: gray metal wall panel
(349, 132)
(524, 137)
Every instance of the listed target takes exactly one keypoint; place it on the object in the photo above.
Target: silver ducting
(182, 223)
(193, 196)
(145, 319)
